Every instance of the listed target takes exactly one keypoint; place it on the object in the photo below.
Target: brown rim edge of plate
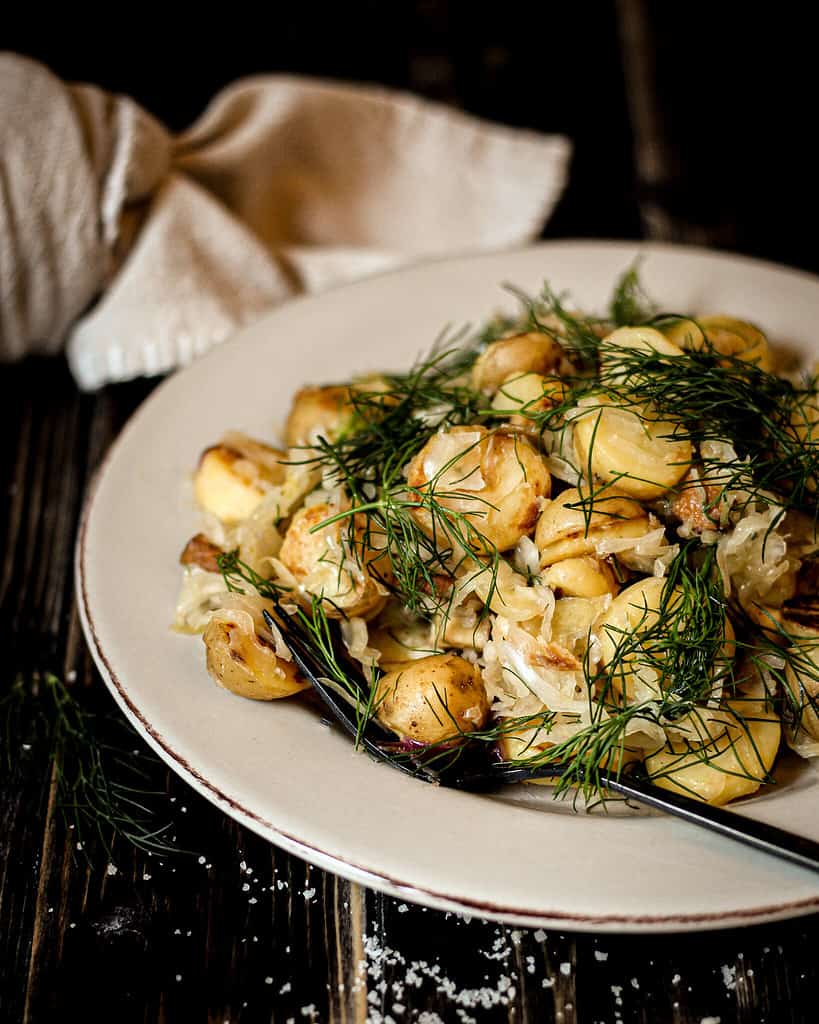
(383, 882)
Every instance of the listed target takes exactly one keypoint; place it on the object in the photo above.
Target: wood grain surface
(235, 930)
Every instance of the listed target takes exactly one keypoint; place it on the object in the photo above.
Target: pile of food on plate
(583, 540)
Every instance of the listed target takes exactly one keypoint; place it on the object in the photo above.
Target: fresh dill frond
(629, 305)
(237, 574)
(105, 786)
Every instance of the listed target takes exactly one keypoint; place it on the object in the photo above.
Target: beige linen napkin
(142, 250)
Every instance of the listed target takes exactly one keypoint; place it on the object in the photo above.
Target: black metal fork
(474, 770)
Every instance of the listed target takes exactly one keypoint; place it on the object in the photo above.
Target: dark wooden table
(674, 140)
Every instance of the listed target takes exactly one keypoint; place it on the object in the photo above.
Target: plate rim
(393, 886)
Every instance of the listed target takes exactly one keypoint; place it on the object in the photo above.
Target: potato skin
(430, 700)
(246, 663)
(313, 558)
(507, 507)
(317, 411)
(533, 352)
(201, 552)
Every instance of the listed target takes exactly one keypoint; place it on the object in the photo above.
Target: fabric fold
(142, 251)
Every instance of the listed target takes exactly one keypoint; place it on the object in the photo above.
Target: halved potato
(734, 761)
(325, 566)
(233, 477)
(631, 447)
(243, 660)
(533, 352)
(491, 482)
(727, 335)
(574, 523)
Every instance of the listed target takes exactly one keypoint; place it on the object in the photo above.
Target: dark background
(691, 122)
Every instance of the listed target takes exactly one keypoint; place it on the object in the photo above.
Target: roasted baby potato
(728, 336)
(533, 352)
(243, 660)
(234, 476)
(580, 577)
(734, 762)
(433, 699)
(317, 412)
(574, 523)
(486, 486)
(325, 565)
(631, 447)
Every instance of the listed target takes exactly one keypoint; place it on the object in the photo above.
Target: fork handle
(767, 838)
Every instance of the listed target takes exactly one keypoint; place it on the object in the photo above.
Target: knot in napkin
(141, 250)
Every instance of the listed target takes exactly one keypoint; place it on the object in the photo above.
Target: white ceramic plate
(521, 858)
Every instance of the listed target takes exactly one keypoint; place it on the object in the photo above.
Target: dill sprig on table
(105, 788)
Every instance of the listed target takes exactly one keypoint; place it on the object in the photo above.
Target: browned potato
(530, 391)
(569, 528)
(325, 569)
(728, 336)
(580, 577)
(432, 699)
(201, 552)
(234, 476)
(533, 352)
(630, 446)
(494, 480)
(245, 662)
(317, 412)
(737, 757)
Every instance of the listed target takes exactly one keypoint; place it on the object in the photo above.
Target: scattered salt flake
(245, 887)
(252, 900)
(285, 988)
(79, 846)
(310, 1009)
(183, 809)
(600, 956)
(202, 860)
(548, 983)
(711, 1020)
(71, 677)
(565, 969)
(268, 980)
(111, 869)
(676, 979)
(72, 925)
(309, 893)
(178, 977)
(146, 877)
(540, 935)
(177, 931)
(402, 908)
(26, 746)
(635, 984)
(729, 977)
